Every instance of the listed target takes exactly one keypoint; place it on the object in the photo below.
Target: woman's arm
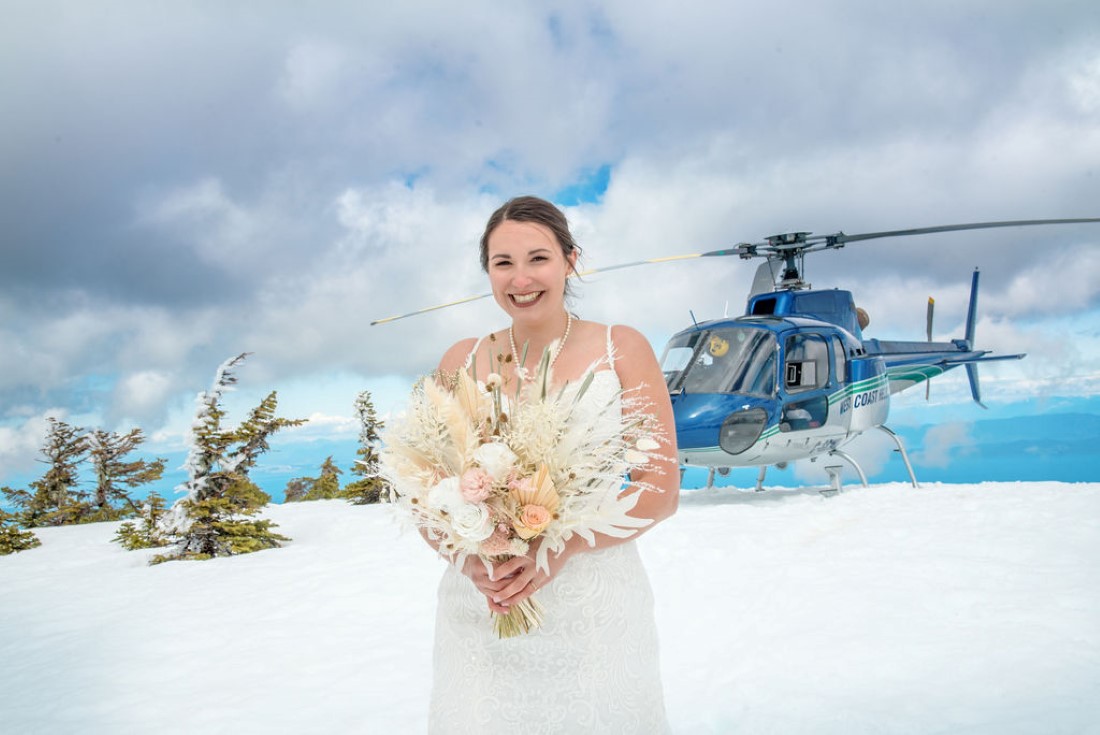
(640, 376)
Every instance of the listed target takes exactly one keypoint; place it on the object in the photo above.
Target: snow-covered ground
(946, 609)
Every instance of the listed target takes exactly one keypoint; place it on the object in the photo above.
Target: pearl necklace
(561, 342)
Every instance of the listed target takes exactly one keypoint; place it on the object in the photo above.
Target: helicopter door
(806, 377)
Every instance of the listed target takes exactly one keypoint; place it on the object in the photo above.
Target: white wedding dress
(592, 667)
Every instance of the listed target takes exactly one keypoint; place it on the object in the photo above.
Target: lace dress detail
(591, 668)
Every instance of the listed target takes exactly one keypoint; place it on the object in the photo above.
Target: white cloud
(308, 173)
(942, 443)
(20, 442)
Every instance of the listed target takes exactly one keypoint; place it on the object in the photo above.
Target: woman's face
(527, 270)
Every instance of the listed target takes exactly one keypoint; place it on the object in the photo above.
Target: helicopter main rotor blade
(841, 238)
(773, 250)
(425, 310)
(588, 272)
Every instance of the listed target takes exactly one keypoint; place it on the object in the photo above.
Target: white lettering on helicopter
(870, 397)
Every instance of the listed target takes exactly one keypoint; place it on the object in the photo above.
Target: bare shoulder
(629, 342)
(455, 357)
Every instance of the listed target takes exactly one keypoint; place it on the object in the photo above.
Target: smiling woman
(586, 659)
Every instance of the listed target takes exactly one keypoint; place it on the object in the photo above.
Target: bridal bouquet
(487, 469)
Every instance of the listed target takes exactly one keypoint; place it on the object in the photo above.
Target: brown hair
(531, 209)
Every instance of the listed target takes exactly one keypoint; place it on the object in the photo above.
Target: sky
(180, 183)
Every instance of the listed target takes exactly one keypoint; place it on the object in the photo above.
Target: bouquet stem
(521, 618)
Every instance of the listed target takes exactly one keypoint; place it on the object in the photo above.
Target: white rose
(496, 459)
(472, 521)
(446, 494)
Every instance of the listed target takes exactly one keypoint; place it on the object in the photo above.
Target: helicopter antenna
(693, 321)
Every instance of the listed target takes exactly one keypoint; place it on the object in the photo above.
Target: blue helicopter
(793, 377)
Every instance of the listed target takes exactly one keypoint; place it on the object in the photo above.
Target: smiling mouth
(523, 299)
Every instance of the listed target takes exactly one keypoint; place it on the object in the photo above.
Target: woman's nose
(520, 279)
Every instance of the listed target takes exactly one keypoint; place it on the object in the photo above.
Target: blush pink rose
(475, 485)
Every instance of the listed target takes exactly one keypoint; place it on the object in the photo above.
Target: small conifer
(327, 486)
(369, 488)
(297, 488)
(215, 519)
(148, 535)
(55, 498)
(114, 475)
(13, 538)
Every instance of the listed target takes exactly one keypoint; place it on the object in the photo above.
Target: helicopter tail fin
(971, 320)
(928, 320)
(972, 313)
(975, 386)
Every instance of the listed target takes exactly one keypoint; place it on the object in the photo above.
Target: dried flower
(484, 473)
(475, 485)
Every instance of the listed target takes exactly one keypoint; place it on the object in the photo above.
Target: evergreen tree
(12, 538)
(115, 475)
(327, 486)
(370, 487)
(215, 519)
(55, 498)
(149, 534)
(297, 488)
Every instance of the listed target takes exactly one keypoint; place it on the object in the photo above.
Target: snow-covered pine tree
(13, 538)
(115, 476)
(370, 488)
(149, 534)
(215, 519)
(55, 498)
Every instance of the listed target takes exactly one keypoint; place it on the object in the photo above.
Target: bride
(593, 664)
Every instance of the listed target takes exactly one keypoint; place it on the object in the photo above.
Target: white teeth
(525, 298)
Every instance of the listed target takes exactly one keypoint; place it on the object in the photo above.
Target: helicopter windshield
(725, 360)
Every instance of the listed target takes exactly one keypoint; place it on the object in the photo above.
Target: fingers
(507, 583)
(522, 587)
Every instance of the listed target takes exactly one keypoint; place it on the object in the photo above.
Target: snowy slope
(946, 609)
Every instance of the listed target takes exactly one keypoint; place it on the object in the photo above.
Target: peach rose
(533, 520)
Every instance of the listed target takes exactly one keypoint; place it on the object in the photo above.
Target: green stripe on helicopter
(914, 373)
(864, 386)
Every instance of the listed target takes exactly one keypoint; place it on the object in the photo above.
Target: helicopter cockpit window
(728, 360)
(807, 363)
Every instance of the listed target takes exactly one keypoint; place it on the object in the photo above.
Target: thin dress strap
(610, 349)
(470, 357)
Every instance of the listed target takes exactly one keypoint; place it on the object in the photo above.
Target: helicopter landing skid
(901, 449)
(834, 470)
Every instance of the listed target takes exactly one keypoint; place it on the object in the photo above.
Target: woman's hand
(510, 582)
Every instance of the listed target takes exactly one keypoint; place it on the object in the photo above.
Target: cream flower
(473, 521)
(496, 459)
(647, 444)
(446, 494)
